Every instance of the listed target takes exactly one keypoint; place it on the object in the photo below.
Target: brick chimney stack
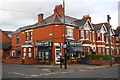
(40, 17)
(87, 17)
(59, 9)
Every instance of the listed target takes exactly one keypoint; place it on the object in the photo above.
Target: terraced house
(44, 40)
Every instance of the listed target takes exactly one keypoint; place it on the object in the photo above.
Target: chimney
(40, 17)
(59, 9)
(87, 17)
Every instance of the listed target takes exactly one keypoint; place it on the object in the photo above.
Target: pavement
(71, 67)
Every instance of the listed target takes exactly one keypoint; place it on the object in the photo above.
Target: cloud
(18, 13)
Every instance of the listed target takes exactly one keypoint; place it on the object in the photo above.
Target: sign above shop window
(44, 43)
(74, 43)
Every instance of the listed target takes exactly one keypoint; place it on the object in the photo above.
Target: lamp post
(65, 54)
(108, 19)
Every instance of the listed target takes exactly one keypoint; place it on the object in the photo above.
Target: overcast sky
(19, 13)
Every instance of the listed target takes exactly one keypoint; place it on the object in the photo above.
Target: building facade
(44, 40)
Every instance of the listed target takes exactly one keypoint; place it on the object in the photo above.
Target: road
(28, 71)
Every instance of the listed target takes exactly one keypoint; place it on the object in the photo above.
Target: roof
(56, 19)
(5, 45)
(117, 32)
(97, 26)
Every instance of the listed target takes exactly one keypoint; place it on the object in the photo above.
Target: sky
(19, 13)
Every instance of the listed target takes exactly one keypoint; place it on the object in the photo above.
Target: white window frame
(107, 40)
(87, 34)
(98, 35)
(24, 53)
(70, 33)
(29, 52)
(82, 34)
(13, 53)
(102, 37)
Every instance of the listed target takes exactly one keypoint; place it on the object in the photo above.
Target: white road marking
(45, 74)
(18, 73)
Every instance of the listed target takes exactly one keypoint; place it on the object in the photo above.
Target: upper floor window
(107, 40)
(70, 33)
(117, 39)
(26, 36)
(30, 35)
(98, 36)
(102, 37)
(17, 39)
(82, 34)
(87, 35)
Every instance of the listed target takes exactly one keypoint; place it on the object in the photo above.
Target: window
(102, 37)
(82, 34)
(18, 54)
(40, 55)
(107, 39)
(107, 51)
(87, 35)
(13, 53)
(30, 35)
(117, 40)
(70, 33)
(17, 39)
(99, 50)
(24, 53)
(46, 55)
(26, 36)
(29, 52)
(98, 36)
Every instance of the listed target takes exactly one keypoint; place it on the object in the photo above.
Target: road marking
(18, 73)
(45, 74)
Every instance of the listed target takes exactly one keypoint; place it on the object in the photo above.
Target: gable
(88, 25)
(103, 29)
(56, 18)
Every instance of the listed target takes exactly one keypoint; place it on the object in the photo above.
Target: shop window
(70, 33)
(46, 55)
(82, 34)
(17, 39)
(98, 36)
(40, 55)
(29, 52)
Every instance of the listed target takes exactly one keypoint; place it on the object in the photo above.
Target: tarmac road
(30, 71)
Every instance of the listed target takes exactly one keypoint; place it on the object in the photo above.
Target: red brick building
(44, 39)
(5, 44)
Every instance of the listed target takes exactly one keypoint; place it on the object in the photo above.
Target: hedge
(97, 57)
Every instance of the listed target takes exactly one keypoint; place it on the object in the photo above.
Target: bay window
(29, 52)
(98, 34)
(87, 35)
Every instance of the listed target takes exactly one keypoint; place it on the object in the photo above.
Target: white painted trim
(87, 45)
(27, 31)
(108, 47)
(71, 38)
(31, 30)
(69, 27)
(27, 46)
(13, 52)
(100, 41)
(100, 45)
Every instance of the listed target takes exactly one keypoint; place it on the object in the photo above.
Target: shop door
(57, 56)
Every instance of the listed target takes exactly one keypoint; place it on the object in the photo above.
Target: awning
(76, 49)
(44, 49)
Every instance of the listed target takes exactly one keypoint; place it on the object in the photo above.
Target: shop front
(44, 50)
(74, 51)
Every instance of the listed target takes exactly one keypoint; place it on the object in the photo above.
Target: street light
(65, 54)
(108, 19)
